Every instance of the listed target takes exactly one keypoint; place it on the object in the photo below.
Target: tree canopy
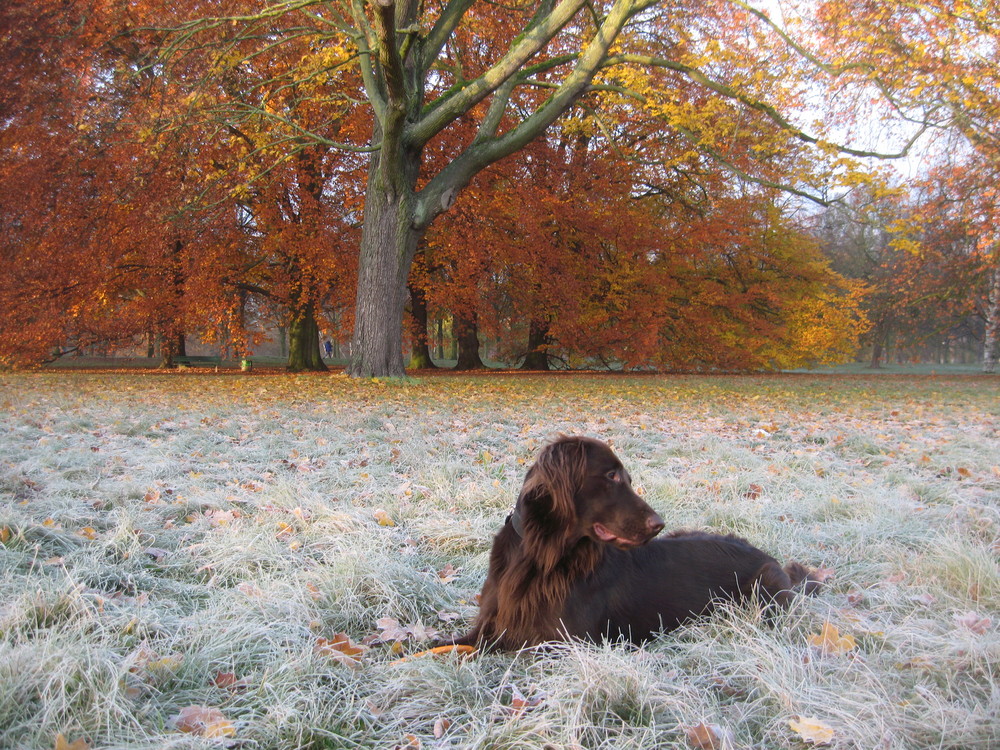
(618, 183)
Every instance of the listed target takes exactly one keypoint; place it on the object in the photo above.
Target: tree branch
(767, 110)
(534, 38)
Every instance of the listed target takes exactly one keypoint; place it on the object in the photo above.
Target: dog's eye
(614, 476)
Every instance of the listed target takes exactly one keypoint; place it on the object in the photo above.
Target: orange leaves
(203, 721)
(63, 744)
(460, 650)
(704, 736)
(340, 649)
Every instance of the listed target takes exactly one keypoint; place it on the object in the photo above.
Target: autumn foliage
(176, 172)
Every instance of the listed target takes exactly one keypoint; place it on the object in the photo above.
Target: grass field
(179, 552)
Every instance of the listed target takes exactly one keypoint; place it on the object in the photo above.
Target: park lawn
(186, 540)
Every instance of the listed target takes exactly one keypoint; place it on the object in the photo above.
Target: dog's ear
(552, 482)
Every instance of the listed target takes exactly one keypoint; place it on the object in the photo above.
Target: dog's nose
(655, 524)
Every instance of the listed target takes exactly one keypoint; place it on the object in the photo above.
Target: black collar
(516, 522)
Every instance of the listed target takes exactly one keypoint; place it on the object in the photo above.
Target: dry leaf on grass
(812, 730)
(63, 744)
(438, 651)
(440, 727)
(830, 642)
(392, 630)
(974, 622)
(341, 649)
(383, 518)
(709, 737)
(229, 681)
(519, 704)
(204, 721)
(448, 573)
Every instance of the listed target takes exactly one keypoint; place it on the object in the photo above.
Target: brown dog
(577, 559)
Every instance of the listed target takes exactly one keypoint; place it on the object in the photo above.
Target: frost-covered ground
(180, 551)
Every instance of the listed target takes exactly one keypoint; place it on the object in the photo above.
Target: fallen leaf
(975, 622)
(709, 737)
(250, 589)
(341, 649)
(440, 727)
(812, 730)
(448, 573)
(438, 651)
(519, 704)
(203, 721)
(225, 680)
(5, 535)
(383, 518)
(411, 742)
(752, 493)
(391, 630)
(420, 632)
(88, 532)
(831, 642)
(63, 744)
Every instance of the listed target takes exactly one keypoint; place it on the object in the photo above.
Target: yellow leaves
(383, 518)
(5, 535)
(203, 721)
(812, 730)
(829, 641)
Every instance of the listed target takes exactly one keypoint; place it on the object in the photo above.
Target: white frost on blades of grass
(230, 526)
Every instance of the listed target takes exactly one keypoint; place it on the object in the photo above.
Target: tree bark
(303, 337)
(388, 243)
(467, 335)
(539, 341)
(420, 356)
(991, 345)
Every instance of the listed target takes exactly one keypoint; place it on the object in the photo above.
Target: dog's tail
(804, 580)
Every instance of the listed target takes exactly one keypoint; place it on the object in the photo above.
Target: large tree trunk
(303, 337)
(420, 358)
(388, 244)
(174, 344)
(991, 345)
(537, 357)
(467, 334)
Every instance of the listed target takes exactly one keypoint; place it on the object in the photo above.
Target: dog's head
(578, 488)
